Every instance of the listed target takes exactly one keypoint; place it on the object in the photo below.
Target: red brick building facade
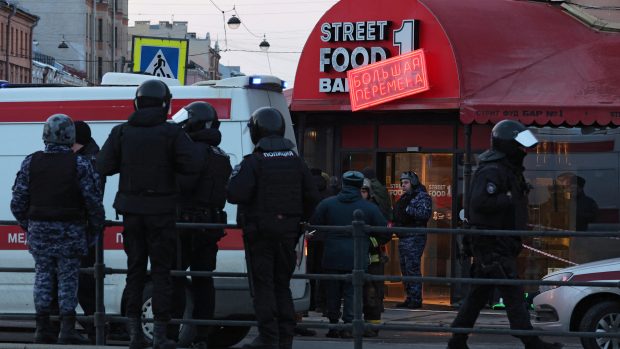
(16, 27)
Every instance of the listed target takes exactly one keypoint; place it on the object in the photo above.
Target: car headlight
(555, 277)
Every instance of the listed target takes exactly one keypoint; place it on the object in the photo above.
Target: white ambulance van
(22, 114)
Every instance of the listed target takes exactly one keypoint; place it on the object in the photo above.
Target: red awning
(532, 62)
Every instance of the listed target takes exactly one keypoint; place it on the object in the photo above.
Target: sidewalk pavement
(429, 315)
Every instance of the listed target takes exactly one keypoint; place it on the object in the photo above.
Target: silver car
(581, 308)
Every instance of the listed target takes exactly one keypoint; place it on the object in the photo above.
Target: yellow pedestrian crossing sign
(160, 57)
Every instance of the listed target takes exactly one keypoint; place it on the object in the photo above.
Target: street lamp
(234, 22)
(63, 43)
(264, 45)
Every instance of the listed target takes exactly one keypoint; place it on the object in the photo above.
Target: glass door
(435, 172)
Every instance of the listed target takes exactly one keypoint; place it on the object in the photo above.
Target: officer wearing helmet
(498, 200)
(57, 201)
(202, 200)
(413, 209)
(148, 153)
(275, 192)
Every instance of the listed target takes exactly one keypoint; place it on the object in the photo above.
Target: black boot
(68, 334)
(261, 343)
(404, 304)
(536, 343)
(136, 336)
(286, 343)
(458, 342)
(160, 341)
(45, 333)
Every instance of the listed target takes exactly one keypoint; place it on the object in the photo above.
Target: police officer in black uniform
(202, 200)
(498, 200)
(148, 152)
(275, 192)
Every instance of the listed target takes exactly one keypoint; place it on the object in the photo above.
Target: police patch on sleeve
(491, 188)
(235, 170)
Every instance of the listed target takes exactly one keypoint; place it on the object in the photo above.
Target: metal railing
(359, 231)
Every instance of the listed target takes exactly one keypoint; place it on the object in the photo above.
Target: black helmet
(59, 129)
(509, 135)
(412, 177)
(197, 116)
(152, 93)
(266, 121)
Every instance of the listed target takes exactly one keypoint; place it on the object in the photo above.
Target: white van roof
(129, 79)
(267, 82)
(234, 98)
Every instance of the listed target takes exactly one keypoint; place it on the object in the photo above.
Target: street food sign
(387, 80)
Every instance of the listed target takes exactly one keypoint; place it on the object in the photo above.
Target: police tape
(548, 255)
(544, 227)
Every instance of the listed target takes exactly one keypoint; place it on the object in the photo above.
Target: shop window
(319, 148)
(574, 179)
(356, 161)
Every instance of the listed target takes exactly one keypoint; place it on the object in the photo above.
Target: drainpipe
(93, 49)
(31, 57)
(8, 41)
(114, 34)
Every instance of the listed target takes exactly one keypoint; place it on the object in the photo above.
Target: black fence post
(358, 276)
(99, 320)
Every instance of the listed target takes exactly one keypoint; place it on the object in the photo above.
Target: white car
(582, 308)
(22, 114)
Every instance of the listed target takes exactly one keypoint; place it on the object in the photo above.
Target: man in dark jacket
(338, 246)
(275, 192)
(86, 146)
(498, 200)
(315, 250)
(380, 193)
(148, 152)
(202, 200)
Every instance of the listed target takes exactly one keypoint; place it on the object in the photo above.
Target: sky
(285, 24)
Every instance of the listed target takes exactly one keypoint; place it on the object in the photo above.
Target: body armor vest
(146, 160)
(208, 189)
(280, 191)
(55, 193)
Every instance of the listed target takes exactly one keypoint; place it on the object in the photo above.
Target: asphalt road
(19, 334)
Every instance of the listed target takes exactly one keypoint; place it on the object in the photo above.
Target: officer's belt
(205, 214)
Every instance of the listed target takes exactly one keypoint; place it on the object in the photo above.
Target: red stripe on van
(605, 275)
(93, 110)
(232, 241)
(113, 239)
(12, 237)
